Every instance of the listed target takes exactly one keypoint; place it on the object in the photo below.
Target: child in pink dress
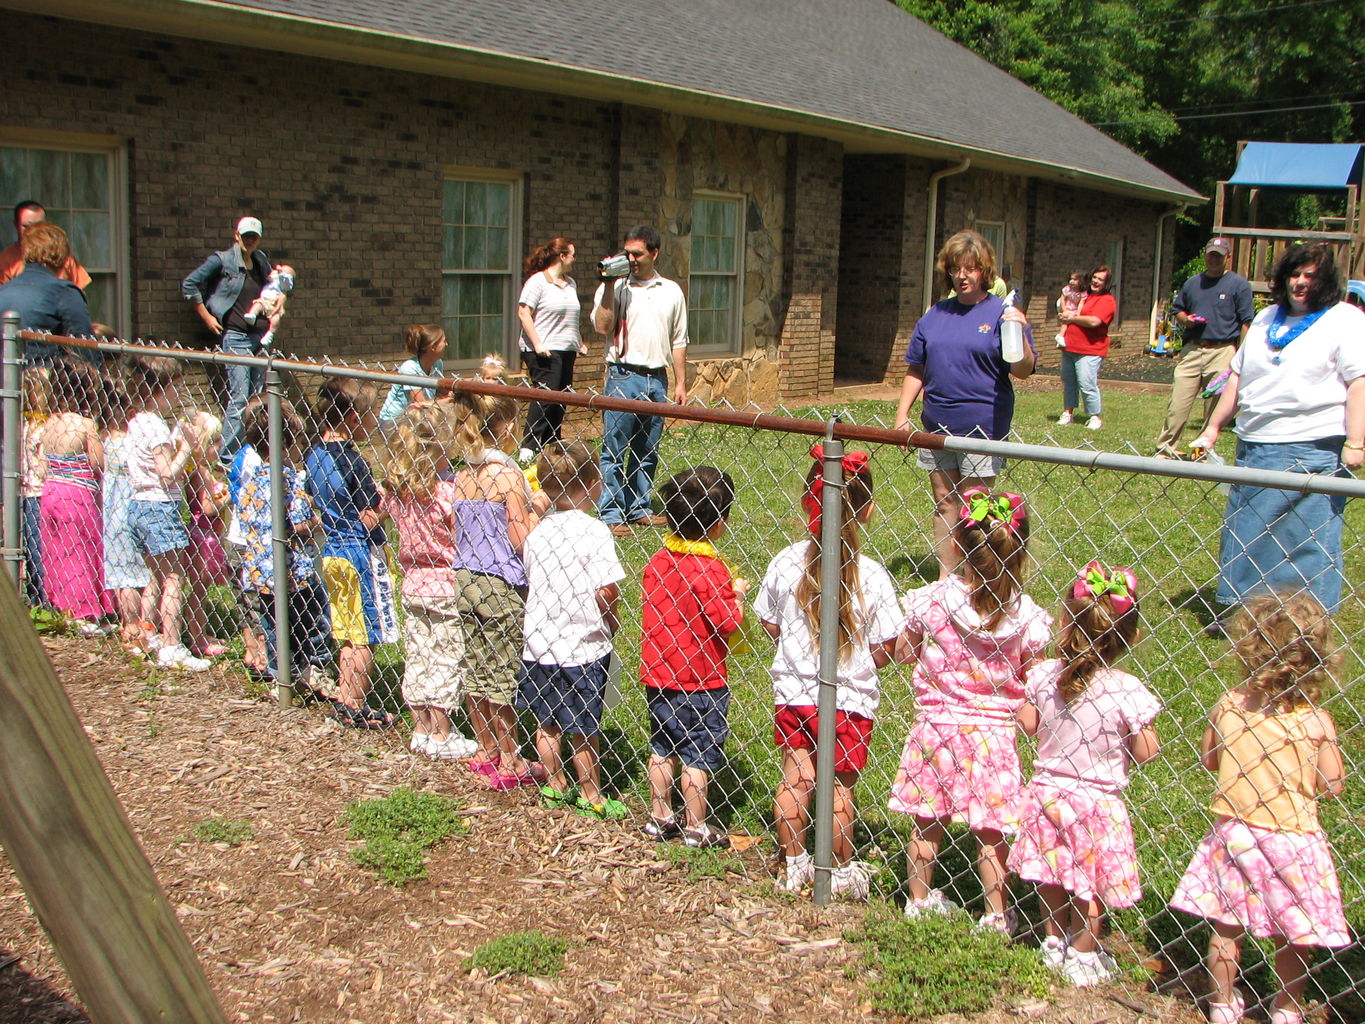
(971, 638)
(1092, 721)
(1265, 867)
(419, 497)
(206, 498)
(1074, 292)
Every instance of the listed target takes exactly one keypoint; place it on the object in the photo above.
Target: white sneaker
(1085, 970)
(800, 873)
(1063, 419)
(179, 656)
(1004, 923)
(420, 744)
(934, 905)
(853, 881)
(1094, 423)
(453, 748)
(1230, 1013)
(92, 630)
(1052, 953)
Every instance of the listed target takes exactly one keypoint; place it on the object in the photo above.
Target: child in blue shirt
(354, 557)
(310, 647)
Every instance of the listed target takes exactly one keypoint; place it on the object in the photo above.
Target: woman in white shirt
(1297, 387)
(551, 336)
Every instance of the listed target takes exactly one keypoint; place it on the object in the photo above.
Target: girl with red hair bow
(788, 605)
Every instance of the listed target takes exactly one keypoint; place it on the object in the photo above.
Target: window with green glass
(477, 263)
(713, 286)
(77, 190)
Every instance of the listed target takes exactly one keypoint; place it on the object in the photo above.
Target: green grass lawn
(1166, 529)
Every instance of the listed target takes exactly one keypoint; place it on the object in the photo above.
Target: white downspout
(931, 225)
(1156, 269)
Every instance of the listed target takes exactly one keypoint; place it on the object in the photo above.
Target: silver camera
(614, 266)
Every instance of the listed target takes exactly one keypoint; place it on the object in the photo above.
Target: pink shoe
(480, 767)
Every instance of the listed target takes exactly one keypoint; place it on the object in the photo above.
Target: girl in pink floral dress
(971, 638)
(1092, 721)
(1265, 867)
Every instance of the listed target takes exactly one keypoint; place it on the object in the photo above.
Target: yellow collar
(680, 546)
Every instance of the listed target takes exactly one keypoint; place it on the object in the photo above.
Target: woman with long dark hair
(1297, 389)
(551, 335)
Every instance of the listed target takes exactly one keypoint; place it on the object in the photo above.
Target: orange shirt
(12, 265)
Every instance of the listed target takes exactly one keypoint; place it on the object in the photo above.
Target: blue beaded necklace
(1278, 337)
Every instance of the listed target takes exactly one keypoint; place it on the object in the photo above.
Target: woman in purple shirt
(954, 362)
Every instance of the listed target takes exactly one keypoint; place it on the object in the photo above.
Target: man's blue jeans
(630, 446)
(242, 383)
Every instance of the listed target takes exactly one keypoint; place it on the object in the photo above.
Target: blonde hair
(564, 465)
(478, 416)
(208, 428)
(857, 499)
(1284, 641)
(423, 439)
(492, 367)
(1094, 635)
(37, 384)
(993, 555)
(961, 247)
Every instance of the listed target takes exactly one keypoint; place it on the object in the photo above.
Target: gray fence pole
(10, 376)
(831, 523)
(279, 535)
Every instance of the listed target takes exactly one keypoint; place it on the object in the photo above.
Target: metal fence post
(831, 523)
(10, 371)
(279, 535)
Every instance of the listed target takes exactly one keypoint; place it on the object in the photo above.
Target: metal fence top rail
(1082, 458)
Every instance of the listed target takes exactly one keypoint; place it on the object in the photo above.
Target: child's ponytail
(1101, 623)
(858, 494)
(992, 534)
(476, 416)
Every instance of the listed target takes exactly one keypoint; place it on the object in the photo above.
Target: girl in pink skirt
(971, 638)
(1092, 721)
(1265, 867)
(206, 561)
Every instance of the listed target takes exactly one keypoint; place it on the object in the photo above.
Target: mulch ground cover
(288, 928)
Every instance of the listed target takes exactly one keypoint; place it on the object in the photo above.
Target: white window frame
(996, 228)
(1113, 258)
(115, 148)
(512, 277)
(735, 327)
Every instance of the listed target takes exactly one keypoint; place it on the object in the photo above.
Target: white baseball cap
(249, 226)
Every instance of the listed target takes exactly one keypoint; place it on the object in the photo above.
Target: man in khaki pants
(1214, 308)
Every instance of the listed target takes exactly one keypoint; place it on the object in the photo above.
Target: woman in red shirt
(1087, 343)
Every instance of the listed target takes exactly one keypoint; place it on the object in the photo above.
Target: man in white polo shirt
(644, 318)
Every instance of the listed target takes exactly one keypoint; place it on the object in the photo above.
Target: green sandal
(554, 798)
(608, 810)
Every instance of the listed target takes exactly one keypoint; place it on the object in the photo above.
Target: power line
(1234, 113)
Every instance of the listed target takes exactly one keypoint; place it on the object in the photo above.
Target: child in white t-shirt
(788, 605)
(572, 577)
(156, 463)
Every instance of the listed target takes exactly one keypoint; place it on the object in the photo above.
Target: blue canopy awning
(1299, 165)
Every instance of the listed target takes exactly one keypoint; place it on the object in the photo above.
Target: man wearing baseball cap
(1214, 310)
(222, 290)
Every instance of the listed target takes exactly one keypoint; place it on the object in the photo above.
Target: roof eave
(260, 29)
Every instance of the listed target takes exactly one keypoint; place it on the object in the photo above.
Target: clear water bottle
(1011, 334)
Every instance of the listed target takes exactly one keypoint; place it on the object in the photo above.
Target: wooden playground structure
(1328, 168)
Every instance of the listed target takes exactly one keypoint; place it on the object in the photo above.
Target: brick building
(801, 158)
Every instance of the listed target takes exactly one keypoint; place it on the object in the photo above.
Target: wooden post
(74, 851)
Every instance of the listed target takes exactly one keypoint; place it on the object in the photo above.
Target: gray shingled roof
(864, 62)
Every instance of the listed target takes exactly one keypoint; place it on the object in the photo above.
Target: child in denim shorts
(156, 463)
(692, 603)
(573, 575)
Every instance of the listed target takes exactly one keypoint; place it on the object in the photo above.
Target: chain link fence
(408, 543)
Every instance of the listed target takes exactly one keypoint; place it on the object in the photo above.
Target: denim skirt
(1274, 539)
